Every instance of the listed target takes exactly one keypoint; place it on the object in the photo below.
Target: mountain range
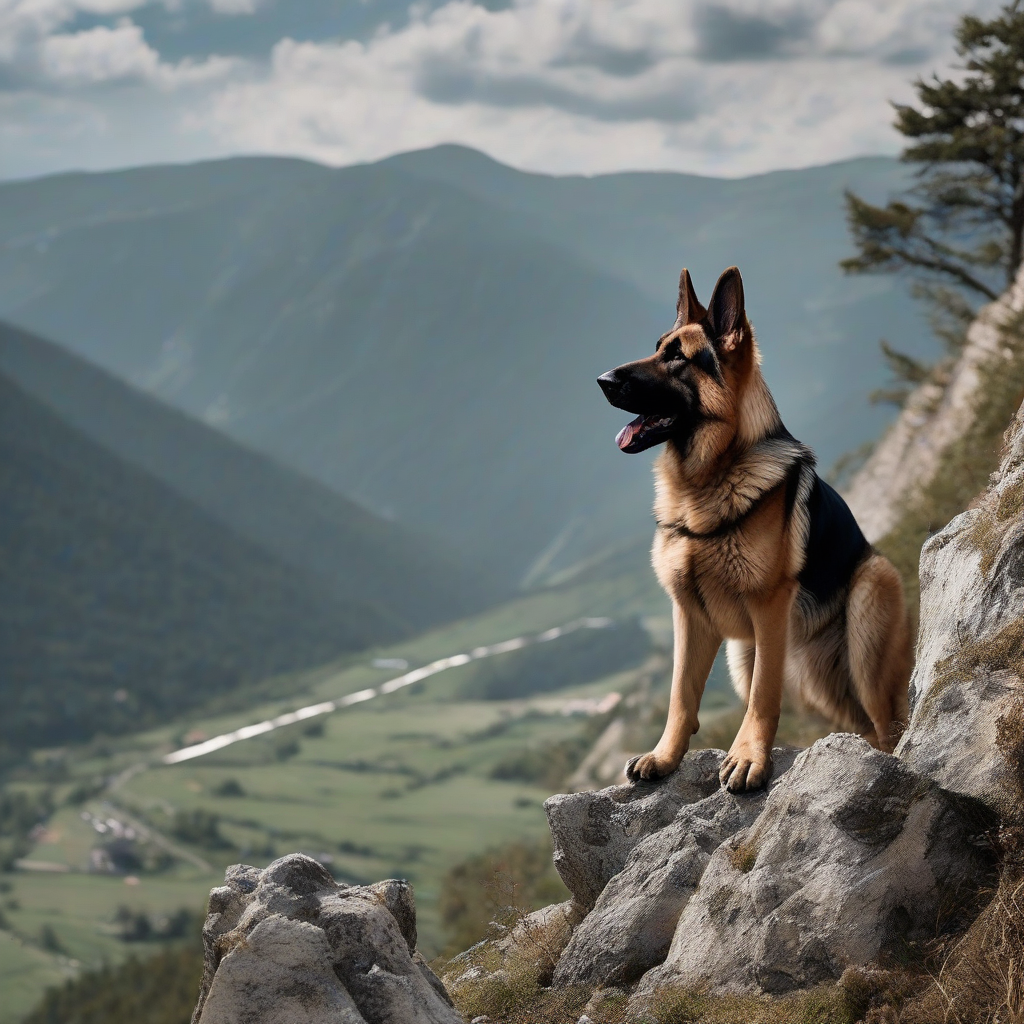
(422, 334)
(151, 563)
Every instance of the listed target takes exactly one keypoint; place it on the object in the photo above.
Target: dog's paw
(745, 769)
(648, 766)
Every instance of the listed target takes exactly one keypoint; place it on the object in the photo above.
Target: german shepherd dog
(754, 548)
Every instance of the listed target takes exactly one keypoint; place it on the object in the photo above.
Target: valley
(407, 785)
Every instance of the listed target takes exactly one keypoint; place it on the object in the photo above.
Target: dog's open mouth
(644, 432)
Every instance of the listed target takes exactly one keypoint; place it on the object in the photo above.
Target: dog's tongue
(629, 433)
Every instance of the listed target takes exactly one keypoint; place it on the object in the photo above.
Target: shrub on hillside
(20, 812)
(493, 890)
(550, 764)
(200, 827)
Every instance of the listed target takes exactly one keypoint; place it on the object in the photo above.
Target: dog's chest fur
(763, 489)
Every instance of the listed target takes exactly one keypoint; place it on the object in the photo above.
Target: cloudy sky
(714, 86)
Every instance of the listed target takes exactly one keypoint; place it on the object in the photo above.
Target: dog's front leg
(748, 765)
(696, 644)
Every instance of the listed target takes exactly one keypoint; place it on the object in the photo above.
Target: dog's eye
(674, 352)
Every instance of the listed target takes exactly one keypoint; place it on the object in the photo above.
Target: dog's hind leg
(878, 641)
(695, 647)
(739, 654)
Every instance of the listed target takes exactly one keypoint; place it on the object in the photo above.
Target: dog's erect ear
(688, 308)
(726, 311)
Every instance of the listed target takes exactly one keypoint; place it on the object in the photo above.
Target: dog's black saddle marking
(835, 544)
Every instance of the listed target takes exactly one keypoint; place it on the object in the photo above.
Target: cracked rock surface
(968, 707)
(853, 854)
(848, 854)
(594, 833)
(288, 944)
(631, 926)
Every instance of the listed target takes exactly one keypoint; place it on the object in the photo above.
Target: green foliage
(200, 827)
(549, 764)
(900, 237)
(949, 313)
(577, 657)
(905, 371)
(140, 926)
(229, 788)
(286, 747)
(160, 990)
(960, 228)
(966, 212)
(20, 811)
(494, 890)
(85, 790)
(50, 940)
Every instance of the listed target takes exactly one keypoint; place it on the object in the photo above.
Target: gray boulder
(853, 854)
(631, 926)
(967, 726)
(593, 834)
(289, 944)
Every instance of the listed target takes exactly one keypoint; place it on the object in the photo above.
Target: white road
(417, 674)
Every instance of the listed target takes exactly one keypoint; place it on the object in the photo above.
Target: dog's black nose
(610, 382)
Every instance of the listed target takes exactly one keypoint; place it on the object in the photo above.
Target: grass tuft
(744, 857)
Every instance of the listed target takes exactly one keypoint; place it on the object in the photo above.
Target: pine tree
(959, 230)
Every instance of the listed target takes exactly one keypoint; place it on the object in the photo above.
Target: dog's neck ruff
(727, 525)
(801, 457)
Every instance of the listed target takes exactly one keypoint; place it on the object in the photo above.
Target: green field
(398, 786)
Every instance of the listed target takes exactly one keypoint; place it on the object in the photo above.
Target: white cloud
(104, 54)
(24, 22)
(99, 55)
(35, 50)
(731, 87)
(712, 86)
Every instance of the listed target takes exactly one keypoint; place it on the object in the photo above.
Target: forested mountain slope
(122, 604)
(355, 555)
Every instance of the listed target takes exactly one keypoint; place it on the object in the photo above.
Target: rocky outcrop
(853, 855)
(938, 412)
(631, 926)
(967, 727)
(594, 833)
(847, 855)
(852, 852)
(290, 944)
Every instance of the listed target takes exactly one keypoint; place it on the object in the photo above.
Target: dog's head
(689, 379)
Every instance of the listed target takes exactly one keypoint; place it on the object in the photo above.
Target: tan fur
(849, 660)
